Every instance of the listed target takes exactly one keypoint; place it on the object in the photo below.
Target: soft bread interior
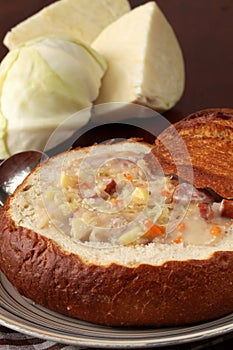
(28, 205)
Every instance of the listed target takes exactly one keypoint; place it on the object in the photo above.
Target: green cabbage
(41, 84)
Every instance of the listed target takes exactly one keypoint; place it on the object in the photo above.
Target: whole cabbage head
(41, 84)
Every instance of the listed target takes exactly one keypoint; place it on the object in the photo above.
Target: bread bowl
(119, 268)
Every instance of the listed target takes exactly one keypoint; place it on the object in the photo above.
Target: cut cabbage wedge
(145, 61)
(81, 19)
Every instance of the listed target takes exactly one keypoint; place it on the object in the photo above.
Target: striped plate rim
(23, 315)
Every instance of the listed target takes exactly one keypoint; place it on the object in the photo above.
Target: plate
(23, 315)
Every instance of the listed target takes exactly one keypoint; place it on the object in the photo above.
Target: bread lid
(208, 136)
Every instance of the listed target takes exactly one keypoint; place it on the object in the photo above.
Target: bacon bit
(205, 211)
(181, 226)
(215, 230)
(211, 214)
(128, 176)
(111, 187)
(153, 230)
(226, 208)
(178, 239)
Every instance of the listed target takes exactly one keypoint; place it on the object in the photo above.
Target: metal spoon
(14, 170)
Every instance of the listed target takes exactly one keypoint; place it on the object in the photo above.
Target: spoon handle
(3, 196)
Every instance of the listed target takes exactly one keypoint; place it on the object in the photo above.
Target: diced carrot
(128, 176)
(165, 193)
(153, 230)
(114, 200)
(178, 239)
(180, 227)
(215, 230)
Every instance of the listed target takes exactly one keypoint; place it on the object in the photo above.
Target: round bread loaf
(107, 235)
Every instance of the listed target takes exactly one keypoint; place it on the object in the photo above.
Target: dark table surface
(205, 32)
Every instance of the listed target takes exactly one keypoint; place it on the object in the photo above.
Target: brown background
(205, 32)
